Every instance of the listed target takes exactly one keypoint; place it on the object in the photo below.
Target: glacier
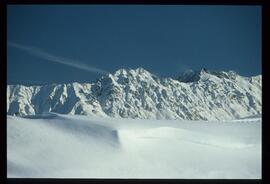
(139, 94)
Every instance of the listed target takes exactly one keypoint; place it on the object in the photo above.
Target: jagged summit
(194, 76)
(131, 72)
(126, 76)
(136, 93)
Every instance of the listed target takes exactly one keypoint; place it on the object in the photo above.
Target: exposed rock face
(204, 94)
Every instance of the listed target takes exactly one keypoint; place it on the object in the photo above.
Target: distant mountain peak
(123, 71)
(136, 93)
(194, 76)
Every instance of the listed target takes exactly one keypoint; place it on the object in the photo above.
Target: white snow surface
(74, 146)
(138, 94)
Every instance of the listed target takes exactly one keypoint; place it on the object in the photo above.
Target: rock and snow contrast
(75, 146)
(200, 125)
(138, 94)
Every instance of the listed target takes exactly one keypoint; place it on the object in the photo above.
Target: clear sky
(66, 43)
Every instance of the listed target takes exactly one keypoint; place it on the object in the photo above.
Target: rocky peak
(136, 93)
(194, 76)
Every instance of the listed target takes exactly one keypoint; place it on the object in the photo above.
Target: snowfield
(75, 146)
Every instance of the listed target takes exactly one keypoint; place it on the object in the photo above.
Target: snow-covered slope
(201, 95)
(68, 146)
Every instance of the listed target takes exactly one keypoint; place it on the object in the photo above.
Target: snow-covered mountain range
(136, 93)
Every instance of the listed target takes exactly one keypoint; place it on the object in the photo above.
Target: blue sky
(66, 43)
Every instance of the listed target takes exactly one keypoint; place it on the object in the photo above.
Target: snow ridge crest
(136, 93)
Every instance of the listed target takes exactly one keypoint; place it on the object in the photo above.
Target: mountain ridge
(137, 93)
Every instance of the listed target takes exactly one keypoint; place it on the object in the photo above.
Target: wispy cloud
(56, 59)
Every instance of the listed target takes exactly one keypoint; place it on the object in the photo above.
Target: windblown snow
(136, 93)
(74, 146)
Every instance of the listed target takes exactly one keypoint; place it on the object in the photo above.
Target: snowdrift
(74, 146)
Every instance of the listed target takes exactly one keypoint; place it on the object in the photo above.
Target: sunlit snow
(74, 146)
(136, 93)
